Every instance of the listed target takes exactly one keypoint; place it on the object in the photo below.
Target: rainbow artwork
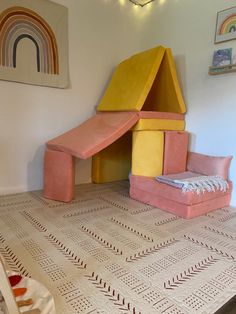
(34, 45)
(17, 23)
(226, 25)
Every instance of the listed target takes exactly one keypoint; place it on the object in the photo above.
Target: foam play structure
(138, 128)
(142, 100)
(189, 204)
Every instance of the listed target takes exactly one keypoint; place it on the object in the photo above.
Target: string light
(141, 3)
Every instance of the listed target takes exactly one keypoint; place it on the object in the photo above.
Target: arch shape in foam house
(142, 100)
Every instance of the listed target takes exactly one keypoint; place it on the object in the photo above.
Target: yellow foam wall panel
(165, 94)
(114, 162)
(132, 81)
(159, 124)
(147, 153)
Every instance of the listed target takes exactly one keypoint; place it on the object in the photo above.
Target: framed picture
(34, 42)
(222, 61)
(222, 57)
(226, 25)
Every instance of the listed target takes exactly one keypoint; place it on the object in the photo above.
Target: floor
(228, 308)
(106, 253)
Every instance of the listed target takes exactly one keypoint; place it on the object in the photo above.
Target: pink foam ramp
(94, 134)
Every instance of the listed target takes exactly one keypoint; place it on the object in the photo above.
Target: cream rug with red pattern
(106, 253)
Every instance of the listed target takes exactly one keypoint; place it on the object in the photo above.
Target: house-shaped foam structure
(143, 100)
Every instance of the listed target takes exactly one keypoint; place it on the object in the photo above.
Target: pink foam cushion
(150, 185)
(179, 209)
(95, 134)
(175, 152)
(209, 165)
(102, 130)
(59, 176)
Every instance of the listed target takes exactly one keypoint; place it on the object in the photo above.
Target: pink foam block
(209, 165)
(175, 152)
(95, 134)
(171, 199)
(59, 176)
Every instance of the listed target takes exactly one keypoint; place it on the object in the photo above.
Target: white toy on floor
(36, 299)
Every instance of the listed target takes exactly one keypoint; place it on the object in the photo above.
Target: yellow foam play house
(127, 134)
(146, 83)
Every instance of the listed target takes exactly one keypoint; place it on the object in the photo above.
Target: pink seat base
(168, 198)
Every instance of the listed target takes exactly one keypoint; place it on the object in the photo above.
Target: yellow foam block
(132, 81)
(159, 124)
(165, 94)
(147, 153)
(114, 162)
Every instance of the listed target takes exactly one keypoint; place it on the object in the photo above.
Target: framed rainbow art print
(34, 42)
(225, 25)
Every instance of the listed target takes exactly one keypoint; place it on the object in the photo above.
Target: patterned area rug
(106, 253)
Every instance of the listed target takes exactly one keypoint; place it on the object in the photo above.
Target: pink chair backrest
(209, 165)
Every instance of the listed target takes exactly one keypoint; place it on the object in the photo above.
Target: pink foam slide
(94, 134)
(84, 141)
(102, 130)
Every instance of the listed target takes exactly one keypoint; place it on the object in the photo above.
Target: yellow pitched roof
(138, 83)
(165, 94)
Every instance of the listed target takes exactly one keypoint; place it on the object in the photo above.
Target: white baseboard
(13, 190)
(25, 188)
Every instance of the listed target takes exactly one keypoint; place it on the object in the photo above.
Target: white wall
(188, 27)
(101, 34)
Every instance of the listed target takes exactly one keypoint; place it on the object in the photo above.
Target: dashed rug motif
(106, 253)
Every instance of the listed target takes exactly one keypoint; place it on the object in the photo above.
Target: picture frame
(34, 42)
(222, 57)
(225, 25)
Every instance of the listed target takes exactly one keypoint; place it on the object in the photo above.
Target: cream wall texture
(101, 34)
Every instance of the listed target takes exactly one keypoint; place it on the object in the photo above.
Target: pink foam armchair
(189, 204)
